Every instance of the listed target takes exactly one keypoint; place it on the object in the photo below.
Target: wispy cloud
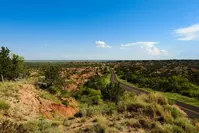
(128, 44)
(188, 33)
(102, 44)
(148, 47)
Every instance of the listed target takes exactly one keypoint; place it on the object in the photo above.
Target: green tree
(112, 92)
(53, 78)
(17, 66)
(96, 82)
(11, 66)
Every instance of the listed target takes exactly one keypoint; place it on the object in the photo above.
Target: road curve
(192, 111)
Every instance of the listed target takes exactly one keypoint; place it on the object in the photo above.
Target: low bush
(90, 111)
(49, 96)
(185, 125)
(66, 122)
(42, 126)
(83, 120)
(102, 120)
(109, 108)
(176, 113)
(133, 123)
(101, 126)
(125, 101)
(89, 96)
(10, 127)
(157, 98)
(4, 105)
(53, 90)
(65, 94)
(66, 103)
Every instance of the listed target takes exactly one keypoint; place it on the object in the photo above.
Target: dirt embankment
(30, 106)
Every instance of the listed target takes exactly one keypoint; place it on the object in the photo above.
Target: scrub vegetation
(78, 97)
(173, 76)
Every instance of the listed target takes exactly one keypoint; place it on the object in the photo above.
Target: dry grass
(9, 89)
(46, 95)
(144, 113)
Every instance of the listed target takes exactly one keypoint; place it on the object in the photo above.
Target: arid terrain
(96, 97)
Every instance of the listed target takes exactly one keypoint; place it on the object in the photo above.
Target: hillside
(80, 97)
(39, 111)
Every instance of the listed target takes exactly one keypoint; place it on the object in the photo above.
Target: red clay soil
(32, 106)
(59, 110)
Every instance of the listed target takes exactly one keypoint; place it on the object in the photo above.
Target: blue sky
(100, 29)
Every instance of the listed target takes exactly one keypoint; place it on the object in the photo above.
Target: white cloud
(188, 33)
(128, 45)
(102, 44)
(148, 44)
(148, 47)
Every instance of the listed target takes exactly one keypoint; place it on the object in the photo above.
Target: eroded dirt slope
(28, 105)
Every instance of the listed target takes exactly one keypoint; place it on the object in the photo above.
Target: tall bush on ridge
(11, 65)
(53, 79)
(112, 92)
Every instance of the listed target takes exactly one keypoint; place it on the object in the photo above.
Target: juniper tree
(11, 65)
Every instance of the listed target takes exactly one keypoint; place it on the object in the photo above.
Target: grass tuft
(4, 105)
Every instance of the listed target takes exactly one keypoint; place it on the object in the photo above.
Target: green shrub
(49, 96)
(32, 126)
(133, 123)
(136, 105)
(66, 122)
(102, 109)
(108, 108)
(102, 120)
(89, 96)
(158, 98)
(175, 113)
(90, 111)
(43, 126)
(96, 82)
(53, 90)
(178, 129)
(125, 101)
(65, 93)
(83, 120)
(53, 80)
(4, 105)
(112, 92)
(66, 103)
(101, 126)
(168, 128)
